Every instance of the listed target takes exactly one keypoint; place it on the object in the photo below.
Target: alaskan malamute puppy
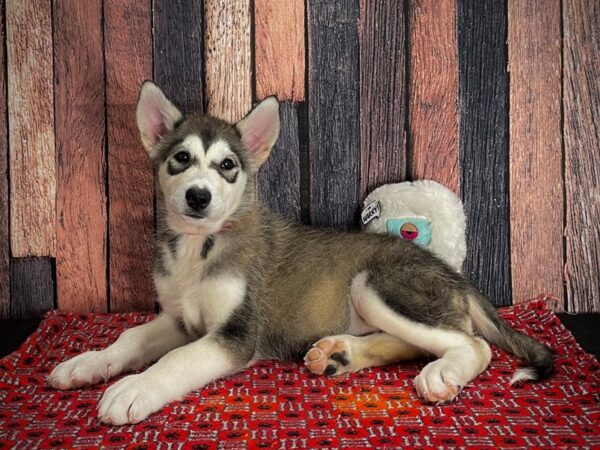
(237, 283)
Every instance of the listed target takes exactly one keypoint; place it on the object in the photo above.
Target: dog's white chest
(203, 301)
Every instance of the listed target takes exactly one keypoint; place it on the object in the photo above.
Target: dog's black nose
(197, 199)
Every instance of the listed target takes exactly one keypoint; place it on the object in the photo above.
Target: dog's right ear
(155, 115)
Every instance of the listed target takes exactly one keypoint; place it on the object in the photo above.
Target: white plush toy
(424, 212)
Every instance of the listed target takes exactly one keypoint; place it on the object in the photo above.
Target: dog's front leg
(134, 348)
(176, 374)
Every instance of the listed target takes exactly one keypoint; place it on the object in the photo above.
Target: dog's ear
(155, 115)
(260, 129)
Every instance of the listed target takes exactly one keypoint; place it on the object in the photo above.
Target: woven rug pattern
(281, 405)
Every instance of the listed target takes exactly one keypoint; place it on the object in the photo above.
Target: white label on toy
(370, 212)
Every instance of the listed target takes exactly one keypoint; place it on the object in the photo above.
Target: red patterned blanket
(282, 405)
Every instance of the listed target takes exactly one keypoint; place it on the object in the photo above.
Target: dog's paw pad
(329, 356)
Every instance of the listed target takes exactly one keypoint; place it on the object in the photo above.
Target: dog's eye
(182, 157)
(227, 164)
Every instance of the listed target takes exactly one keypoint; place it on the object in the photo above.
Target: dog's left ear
(260, 129)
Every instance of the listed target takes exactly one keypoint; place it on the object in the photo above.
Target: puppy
(237, 283)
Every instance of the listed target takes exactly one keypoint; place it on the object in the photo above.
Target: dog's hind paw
(329, 356)
(438, 382)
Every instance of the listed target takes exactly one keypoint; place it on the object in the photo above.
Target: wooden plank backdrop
(80, 137)
(128, 54)
(279, 64)
(483, 144)
(31, 127)
(433, 92)
(333, 109)
(371, 92)
(581, 87)
(4, 193)
(382, 94)
(536, 201)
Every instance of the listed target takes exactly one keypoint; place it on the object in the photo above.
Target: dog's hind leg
(334, 355)
(133, 349)
(461, 356)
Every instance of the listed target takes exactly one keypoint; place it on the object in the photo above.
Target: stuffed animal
(424, 212)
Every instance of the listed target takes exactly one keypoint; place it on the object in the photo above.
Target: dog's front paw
(438, 382)
(130, 400)
(82, 370)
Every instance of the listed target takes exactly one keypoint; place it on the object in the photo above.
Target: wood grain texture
(483, 144)
(433, 88)
(581, 88)
(279, 49)
(536, 200)
(31, 127)
(31, 287)
(228, 71)
(279, 177)
(178, 63)
(4, 192)
(382, 94)
(81, 196)
(334, 129)
(128, 41)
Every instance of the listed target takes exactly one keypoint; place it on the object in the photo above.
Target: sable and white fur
(237, 283)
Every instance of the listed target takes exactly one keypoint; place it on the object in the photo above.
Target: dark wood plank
(128, 47)
(31, 287)
(279, 49)
(382, 94)
(483, 144)
(31, 127)
(4, 193)
(581, 87)
(433, 88)
(536, 200)
(178, 62)
(228, 63)
(334, 129)
(81, 195)
(279, 177)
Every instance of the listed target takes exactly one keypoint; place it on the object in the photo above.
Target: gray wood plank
(178, 59)
(334, 124)
(31, 287)
(483, 147)
(279, 177)
(383, 93)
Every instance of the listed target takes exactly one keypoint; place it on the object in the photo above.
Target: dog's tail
(489, 324)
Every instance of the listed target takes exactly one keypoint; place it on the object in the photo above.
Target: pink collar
(227, 226)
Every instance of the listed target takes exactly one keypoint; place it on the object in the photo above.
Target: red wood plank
(279, 49)
(536, 201)
(4, 205)
(227, 59)
(433, 88)
(128, 38)
(31, 127)
(81, 196)
(581, 88)
(382, 94)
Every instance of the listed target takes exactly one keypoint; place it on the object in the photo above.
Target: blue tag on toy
(415, 229)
